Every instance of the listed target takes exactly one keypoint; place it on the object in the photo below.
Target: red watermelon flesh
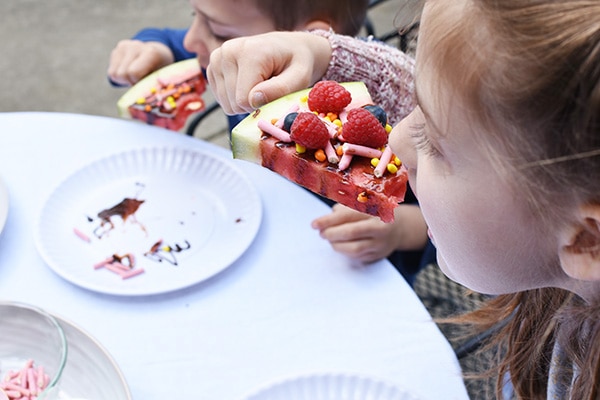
(378, 196)
(356, 186)
(166, 98)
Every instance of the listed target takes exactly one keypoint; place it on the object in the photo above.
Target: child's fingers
(291, 79)
(224, 80)
(340, 215)
(246, 73)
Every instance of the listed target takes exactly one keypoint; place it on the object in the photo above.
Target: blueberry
(289, 120)
(378, 112)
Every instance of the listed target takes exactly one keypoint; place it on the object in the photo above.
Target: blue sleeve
(233, 120)
(172, 38)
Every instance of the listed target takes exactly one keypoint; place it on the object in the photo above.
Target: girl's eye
(205, 22)
(216, 36)
(422, 142)
(221, 39)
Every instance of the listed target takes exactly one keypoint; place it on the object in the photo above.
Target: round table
(273, 314)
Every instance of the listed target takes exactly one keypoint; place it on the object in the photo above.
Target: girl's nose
(194, 43)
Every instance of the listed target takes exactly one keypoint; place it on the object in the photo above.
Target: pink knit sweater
(387, 72)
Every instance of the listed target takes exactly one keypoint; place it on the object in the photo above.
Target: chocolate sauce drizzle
(164, 252)
(125, 209)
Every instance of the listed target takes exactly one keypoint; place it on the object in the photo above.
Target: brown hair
(530, 74)
(345, 17)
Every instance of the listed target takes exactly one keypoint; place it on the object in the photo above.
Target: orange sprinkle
(148, 108)
(273, 121)
(320, 155)
(332, 116)
(339, 151)
(362, 197)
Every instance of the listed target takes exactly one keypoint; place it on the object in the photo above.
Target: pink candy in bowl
(33, 352)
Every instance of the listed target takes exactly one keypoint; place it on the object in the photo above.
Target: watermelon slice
(167, 97)
(352, 180)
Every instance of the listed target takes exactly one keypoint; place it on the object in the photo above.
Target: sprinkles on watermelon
(167, 97)
(332, 140)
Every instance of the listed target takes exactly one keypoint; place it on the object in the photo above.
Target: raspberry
(309, 131)
(328, 96)
(364, 128)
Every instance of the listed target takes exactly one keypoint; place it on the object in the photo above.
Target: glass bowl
(29, 334)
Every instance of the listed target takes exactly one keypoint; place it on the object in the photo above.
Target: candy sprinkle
(300, 149)
(392, 168)
(320, 155)
(362, 197)
(81, 235)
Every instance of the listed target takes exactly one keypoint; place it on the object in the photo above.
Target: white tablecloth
(289, 306)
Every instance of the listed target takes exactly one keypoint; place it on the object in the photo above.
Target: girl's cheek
(402, 145)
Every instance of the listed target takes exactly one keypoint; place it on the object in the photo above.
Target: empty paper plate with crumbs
(148, 221)
(331, 386)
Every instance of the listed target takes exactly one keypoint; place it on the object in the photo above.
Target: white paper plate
(199, 205)
(331, 387)
(90, 371)
(3, 204)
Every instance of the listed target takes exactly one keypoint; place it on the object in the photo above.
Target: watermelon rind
(245, 136)
(145, 85)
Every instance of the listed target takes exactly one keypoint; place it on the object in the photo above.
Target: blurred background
(55, 52)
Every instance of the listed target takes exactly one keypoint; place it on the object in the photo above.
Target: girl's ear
(580, 247)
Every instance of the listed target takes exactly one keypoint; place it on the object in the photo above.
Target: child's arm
(387, 71)
(149, 50)
(246, 73)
